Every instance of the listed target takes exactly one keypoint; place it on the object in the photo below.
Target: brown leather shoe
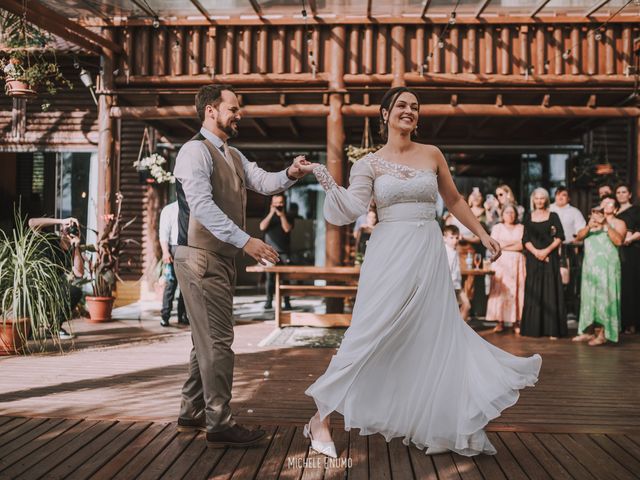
(190, 425)
(236, 436)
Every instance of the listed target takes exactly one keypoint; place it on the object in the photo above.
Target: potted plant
(27, 65)
(151, 170)
(33, 295)
(103, 264)
(366, 145)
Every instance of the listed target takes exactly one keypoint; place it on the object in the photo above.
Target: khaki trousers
(208, 281)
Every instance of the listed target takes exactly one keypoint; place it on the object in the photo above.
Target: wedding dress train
(409, 366)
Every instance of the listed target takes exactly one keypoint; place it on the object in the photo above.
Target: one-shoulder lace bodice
(386, 182)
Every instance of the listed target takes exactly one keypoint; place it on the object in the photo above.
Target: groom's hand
(300, 167)
(260, 251)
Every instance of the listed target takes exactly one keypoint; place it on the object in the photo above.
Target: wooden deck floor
(108, 412)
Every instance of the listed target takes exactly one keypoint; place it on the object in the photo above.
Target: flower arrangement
(152, 166)
(356, 153)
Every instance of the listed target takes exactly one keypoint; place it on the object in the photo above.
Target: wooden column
(211, 57)
(106, 158)
(354, 57)
(454, 49)
(159, 52)
(195, 49)
(279, 50)
(397, 55)
(592, 54)
(524, 48)
(489, 49)
(558, 50)
(335, 135)
(637, 176)
(142, 48)
(627, 47)
(540, 50)
(367, 49)
(229, 51)
(505, 50)
(245, 52)
(381, 49)
(610, 53)
(472, 48)
(297, 50)
(263, 40)
(436, 61)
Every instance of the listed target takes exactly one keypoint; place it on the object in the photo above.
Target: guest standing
(451, 237)
(630, 261)
(543, 312)
(168, 233)
(572, 221)
(604, 190)
(504, 196)
(277, 226)
(506, 297)
(600, 290)
(364, 231)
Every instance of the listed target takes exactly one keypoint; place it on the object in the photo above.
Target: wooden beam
(596, 7)
(260, 127)
(307, 80)
(483, 4)
(293, 125)
(314, 8)
(397, 55)
(51, 21)
(356, 110)
(538, 7)
(256, 7)
(202, 10)
(425, 7)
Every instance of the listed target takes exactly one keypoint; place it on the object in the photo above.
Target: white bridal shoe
(325, 448)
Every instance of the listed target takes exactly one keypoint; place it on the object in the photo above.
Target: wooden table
(344, 284)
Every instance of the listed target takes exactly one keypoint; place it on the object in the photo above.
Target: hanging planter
(150, 166)
(19, 89)
(366, 145)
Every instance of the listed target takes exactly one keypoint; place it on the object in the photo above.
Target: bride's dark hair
(388, 101)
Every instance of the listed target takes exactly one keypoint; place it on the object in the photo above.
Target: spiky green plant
(32, 284)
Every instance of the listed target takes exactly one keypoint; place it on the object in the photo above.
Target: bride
(409, 366)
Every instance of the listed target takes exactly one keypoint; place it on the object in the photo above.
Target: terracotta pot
(18, 88)
(13, 334)
(100, 308)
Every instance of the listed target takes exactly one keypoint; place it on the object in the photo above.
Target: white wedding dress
(409, 366)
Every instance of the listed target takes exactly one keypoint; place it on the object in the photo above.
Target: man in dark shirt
(277, 226)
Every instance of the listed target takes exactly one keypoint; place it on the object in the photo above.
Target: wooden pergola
(488, 71)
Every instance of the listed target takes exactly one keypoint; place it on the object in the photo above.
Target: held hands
(166, 257)
(261, 252)
(492, 246)
(300, 167)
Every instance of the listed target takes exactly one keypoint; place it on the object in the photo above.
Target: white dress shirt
(454, 266)
(571, 219)
(168, 231)
(193, 170)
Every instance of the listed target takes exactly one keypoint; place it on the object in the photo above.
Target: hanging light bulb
(440, 44)
(156, 22)
(86, 79)
(598, 35)
(452, 18)
(546, 65)
(566, 54)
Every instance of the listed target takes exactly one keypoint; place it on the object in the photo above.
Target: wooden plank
(226, 465)
(250, 462)
(274, 459)
(359, 454)
(207, 461)
(400, 460)
(422, 464)
(169, 454)
(489, 467)
(87, 452)
(49, 444)
(467, 468)
(21, 436)
(544, 457)
(9, 426)
(627, 444)
(379, 467)
(295, 457)
(143, 458)
(337, 468)
(186, 460)
(301, 319)
(525, 458)
(597, 459)
(67, 450)
(506, 460)
(622, 456)
(446, 467)
(563, 456)
(126, 453)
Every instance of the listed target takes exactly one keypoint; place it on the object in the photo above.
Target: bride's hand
(300, 167)
(492, 246)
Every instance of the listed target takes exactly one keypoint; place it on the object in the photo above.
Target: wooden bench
(344, 285)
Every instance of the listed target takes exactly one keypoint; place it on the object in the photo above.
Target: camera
(72, 230)
(280, 208)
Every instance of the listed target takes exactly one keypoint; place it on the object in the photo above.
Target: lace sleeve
(344, 205)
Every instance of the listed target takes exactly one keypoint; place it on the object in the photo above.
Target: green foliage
(32, 284)
(26, 58)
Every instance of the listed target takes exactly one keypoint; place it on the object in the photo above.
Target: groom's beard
(230, 130)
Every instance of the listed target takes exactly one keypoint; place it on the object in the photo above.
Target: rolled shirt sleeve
(261, 181)
(193, 170)
(164, 230)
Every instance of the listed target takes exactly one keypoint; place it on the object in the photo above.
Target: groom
(211, 183)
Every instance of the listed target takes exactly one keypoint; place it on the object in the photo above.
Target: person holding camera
(277, 226)
(65, 251)
(600, 288)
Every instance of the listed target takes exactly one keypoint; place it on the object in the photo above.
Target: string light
(440, 42)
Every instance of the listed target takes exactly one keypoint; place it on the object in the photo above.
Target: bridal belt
(407, 212)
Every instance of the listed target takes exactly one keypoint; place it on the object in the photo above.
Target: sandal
(499, 327)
